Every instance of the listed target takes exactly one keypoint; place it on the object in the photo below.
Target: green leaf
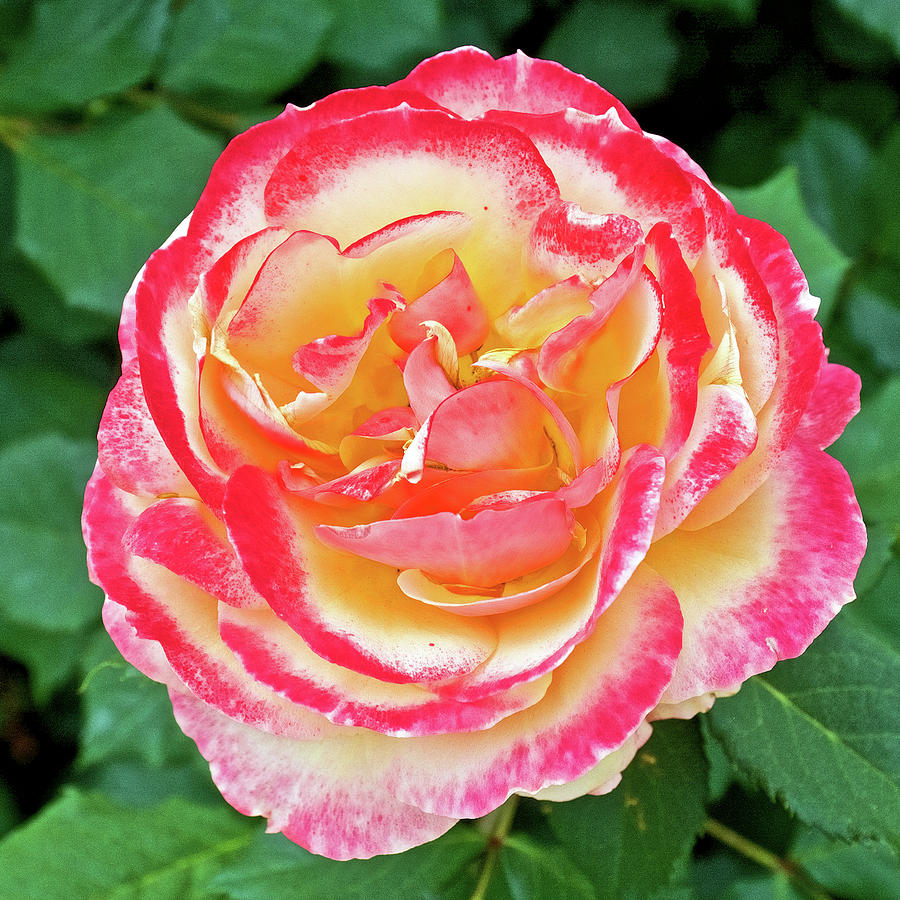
(94, 204)
(822, 732)
(43, 579)
(832, 160)
(629, 841)
(624, 46)
(881, 17)
(779, 202)
(869, 451)
(77, 50)
(40, 307)
(534, 870)
(743, 11)
(875, 323)
(125, 714)
(877, 610)
(39, 397)
(385, 35)
(51, 657)
(83, 846)
(272, 868)
(246, 50)
(861, 871)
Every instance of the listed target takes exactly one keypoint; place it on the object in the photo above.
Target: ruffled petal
(379, 632)
(759, 585)
(469, 82)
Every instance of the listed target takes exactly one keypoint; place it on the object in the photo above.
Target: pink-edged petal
(426, 383)
(469, 82)
(522, 371)
(605, 776)
(183, 536)
(359, 486)
(607, 167)
(551, 309)
(594, 352)
(492, 547)
(351, 180)
(724, 433)
(278, 657)
(496, 424)
(452, 302)
(442, 227)
(759, 585)
(168, 364)
(387, 423)
(684, 339)
(143, 654)
(127, 320)
(311, 791)
(834, 402)
(348, 610)
(330, 362)
(567, 240)
(729, 275)
(597, 699)
(231, 205)
(162, 608)
(536, 639)
(225, 283)
(293, 301)
(130, 450)
(801, 356)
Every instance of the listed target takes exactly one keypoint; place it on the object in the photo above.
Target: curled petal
(278, 657)
(181, 535)
(452, 302)
(723, 434)
(465, 551)
(566, 239)
(380, 632)
(760, 584)
(469, 82)
(130, 448)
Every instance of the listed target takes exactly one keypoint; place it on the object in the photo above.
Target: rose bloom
(463, 430)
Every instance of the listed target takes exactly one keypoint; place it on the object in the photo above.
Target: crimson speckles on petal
(463, 431)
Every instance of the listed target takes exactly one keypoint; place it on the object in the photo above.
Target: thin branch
(765, 858)
(496, 839)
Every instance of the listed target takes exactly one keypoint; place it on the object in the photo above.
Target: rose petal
(309, 790)
(464, 551)
(183, 536)
(469, 82)
(536, 639)
(379, 632)
(759, 585)
(278, 657)
(832, 405)
(801, 356)
(168, 365)
(566, 240)
(724, 433)
(163, 608)
(452, 302)
(130, 449)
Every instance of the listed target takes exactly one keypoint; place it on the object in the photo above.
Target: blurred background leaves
(111, 114)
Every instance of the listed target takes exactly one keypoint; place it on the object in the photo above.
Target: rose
(463, 430)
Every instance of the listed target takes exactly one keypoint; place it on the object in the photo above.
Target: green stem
(765, 858)
(501, 829)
